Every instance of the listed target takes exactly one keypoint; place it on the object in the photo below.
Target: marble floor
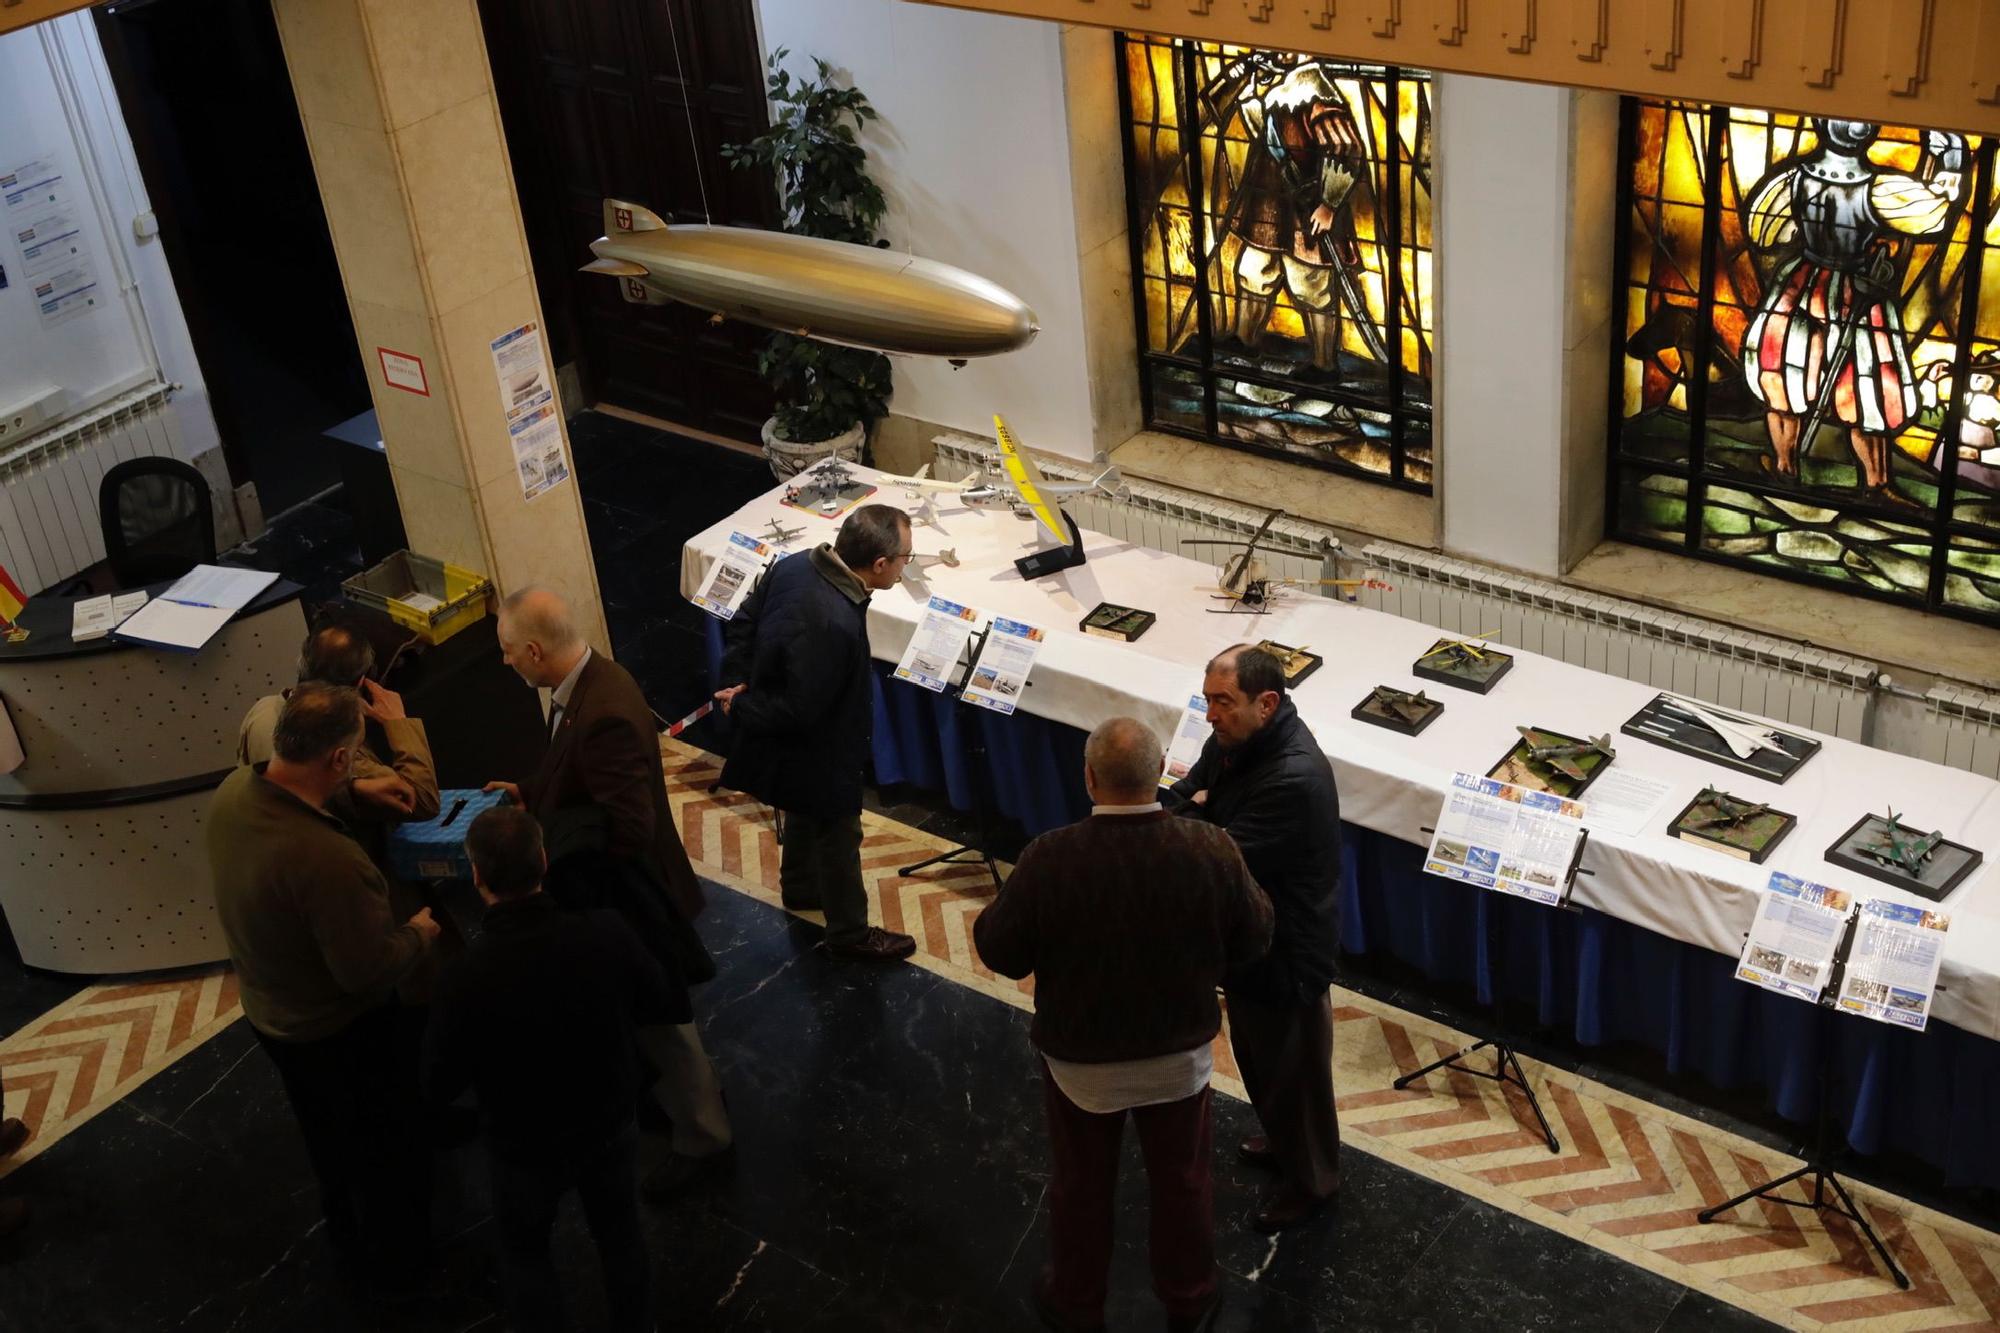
(891, 1171)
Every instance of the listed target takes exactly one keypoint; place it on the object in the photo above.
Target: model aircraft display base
(1373, 710)
(1949, 863)
(1111, 621)
(823, 502)
(1676, 731)
(1479, 676)
(1536, 775)
(1056, 559)
(1751, 840)
(1297, 662)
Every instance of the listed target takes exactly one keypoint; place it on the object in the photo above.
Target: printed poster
(1794, 937)
(1892, 970)
(527, 396)
(47, 231)
(735, 571)
(1189, 737)
(1004, 663)
(1506, 838)
(934, 648)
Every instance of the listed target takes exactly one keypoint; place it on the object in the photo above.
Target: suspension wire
(687, 106)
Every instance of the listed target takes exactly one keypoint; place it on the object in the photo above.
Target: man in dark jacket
(540, 1019)
(1264, 778)
(1128, 921)
(798, 686)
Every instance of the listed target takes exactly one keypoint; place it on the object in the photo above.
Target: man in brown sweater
(318, 954)
(1128, 921)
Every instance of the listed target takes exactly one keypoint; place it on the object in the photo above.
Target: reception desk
(101, 825)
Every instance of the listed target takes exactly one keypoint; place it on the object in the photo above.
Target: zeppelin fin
(617, 268)
(620, 216)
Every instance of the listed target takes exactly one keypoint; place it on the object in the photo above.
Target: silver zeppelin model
(832, 290)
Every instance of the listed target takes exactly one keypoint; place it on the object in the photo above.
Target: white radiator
(49, 525)
(1960, 729)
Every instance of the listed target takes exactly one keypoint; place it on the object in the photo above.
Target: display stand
(975, 754)
(1827, 1193)
(1506, 1064)
(1056, 558)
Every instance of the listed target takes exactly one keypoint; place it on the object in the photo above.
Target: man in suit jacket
(604, 754)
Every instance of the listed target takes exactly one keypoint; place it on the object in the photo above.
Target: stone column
(399, 111)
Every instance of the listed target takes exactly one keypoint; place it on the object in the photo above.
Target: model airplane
(1900, 848)
(1562, 755)
(920, 562)
(1021, 485)
(836, 291)
(1740, 734)
(1724, 810)
(1461, 652)
(1409, 707)
(821, 486)
(780, 535)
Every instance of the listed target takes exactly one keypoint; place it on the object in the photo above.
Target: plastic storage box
(429, 597)
(435, 849)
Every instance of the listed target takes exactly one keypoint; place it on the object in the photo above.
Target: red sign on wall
(400, 370)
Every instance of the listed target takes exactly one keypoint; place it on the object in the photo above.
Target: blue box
(435, 849)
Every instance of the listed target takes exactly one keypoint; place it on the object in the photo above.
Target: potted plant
(827, 396)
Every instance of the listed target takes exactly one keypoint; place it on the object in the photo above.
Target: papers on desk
(193, 611)
(95, 617)
(1625, 802)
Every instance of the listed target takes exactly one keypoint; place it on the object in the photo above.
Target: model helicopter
(1563, 755)
(780, 535)
(1460, 654)
(1900, 848)
(1245, 582)
(1724, 811)
(1400, 703)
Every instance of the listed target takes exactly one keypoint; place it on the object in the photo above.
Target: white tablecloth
(1394, 784)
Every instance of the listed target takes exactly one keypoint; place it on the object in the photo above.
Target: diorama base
(1373, 713)
(1950, 861)
(1754, 855)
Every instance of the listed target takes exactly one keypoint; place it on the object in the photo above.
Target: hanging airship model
(835, 291)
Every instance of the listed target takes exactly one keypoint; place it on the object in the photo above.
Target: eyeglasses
(904, 555)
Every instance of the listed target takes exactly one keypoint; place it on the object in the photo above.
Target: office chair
(157, 521)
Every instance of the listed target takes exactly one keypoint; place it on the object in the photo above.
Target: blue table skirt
(1934, 1095)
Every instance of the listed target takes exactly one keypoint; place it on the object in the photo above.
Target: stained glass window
(1281, 233)
(1808, 373)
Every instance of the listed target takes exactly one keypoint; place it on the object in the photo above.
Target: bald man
(604, 756)
(1128, 921)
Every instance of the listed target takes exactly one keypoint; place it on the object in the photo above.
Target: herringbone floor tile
(1630, 1176)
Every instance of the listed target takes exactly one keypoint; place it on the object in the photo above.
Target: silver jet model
(836, 291)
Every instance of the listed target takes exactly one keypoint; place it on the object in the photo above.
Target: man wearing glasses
(800, 693)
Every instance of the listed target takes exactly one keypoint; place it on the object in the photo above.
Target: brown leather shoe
(1285, 1206)
(1256, 1150)
(877, 946)
(13, 1215)
(13, 1133)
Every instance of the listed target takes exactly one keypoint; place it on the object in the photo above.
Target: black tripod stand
(1826, 1186)
(975, 754)
(1506, 1065)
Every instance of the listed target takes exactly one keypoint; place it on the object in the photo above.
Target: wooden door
(634, 99)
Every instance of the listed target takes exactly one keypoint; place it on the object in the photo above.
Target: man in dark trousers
(540, 1020)
(1264, 778)
(318, 952)
(797, 683)
(1128, 921)
(603, 764)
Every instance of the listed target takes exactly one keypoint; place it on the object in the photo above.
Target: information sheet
(527, 396)
(46, 224)
(734, 574)
(936, 644)
(1004, 663)
(1506, 838)
(1794, 938)
(1622, 801)
(1189, 737)
(1892, 970)
(95, 617)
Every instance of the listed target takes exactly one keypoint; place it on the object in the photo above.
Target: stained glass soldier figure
(1304, 156)
(1827, 342)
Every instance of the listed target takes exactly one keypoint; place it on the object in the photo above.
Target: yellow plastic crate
(434, 599)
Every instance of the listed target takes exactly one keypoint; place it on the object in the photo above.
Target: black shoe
(13, 1133)
(1256, 1150)
(681, 1173)
(1199, 1322)
(1285, 1206)
(877, 946)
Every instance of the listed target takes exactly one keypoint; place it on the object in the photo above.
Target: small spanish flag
(12, 599)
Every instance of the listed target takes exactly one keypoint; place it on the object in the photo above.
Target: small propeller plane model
(1724, 810)
(780, 535)
(1901, 848)
(1461, 652)
(1409, 707)
(1562, 755)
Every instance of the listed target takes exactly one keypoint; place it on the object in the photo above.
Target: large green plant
(822, 176)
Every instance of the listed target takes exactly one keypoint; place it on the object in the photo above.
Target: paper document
(1625, 802)
(95, 617)
(1506, 838)
(194, 610)
(1795, 936)
(1004, 663)
(1189, 737)
(1892, 970)
(735, 571)
(935, 646)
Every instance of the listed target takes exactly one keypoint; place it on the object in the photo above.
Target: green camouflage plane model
(1409, 707)
(1724, 810)
(1900, 848)
(1461, 652)
(1562, 755)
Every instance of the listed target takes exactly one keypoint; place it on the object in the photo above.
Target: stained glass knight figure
(1827, 343)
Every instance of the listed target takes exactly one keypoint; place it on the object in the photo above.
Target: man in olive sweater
(1128, 921)
(318, 953)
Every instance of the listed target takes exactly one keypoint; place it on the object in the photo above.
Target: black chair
(157, 521)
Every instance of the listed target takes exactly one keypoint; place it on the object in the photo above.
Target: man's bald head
(538, 635)
(1121, 762)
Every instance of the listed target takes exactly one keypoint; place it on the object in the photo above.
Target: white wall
(57, 100)
(972, 151)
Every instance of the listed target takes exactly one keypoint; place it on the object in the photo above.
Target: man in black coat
(540, 1019)
(1264, 778)
(797, 683)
